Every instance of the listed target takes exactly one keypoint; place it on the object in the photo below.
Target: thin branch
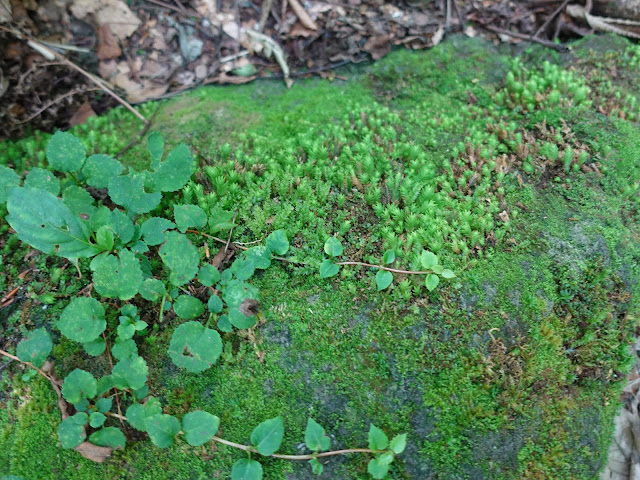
(230, 231)
(550, 18)
(546, 43)
(408, 272)
(53, 102)
(29, 364)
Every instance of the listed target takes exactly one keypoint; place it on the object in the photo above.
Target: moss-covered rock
(522, 176)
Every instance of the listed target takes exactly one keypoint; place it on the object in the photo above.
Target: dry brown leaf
(108, 46)
(80, 116)
(299, 30)
(94, 452)
(115, 13)
(378, 46)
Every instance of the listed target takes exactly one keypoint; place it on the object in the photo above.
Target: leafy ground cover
(520, 176)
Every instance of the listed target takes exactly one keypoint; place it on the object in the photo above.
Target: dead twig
(556, 46)
(53, 102)
(550, 18)
(140, 134)
(264, 14)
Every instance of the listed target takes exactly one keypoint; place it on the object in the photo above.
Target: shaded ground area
(522, 176)
(152, 49)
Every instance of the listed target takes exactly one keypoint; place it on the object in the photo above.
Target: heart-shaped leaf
(188, 307)
(152, 289)
(128, 191)
(153, 230)
(199, 427)
(384, 278)
(208, 275)
(131, 372)
(278, 242)
(267, 436)
(315, 438)
(398, 443)
(137, 412)
(333, 247)
(246, 469)
(70, 433)
(428, 259)
(432, 281)
(378, 440)
(195, 347)
(162, 429)
(175, 171)
(42, 179)
(328, 269)
(96, 420)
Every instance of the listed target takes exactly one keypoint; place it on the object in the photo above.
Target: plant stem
(395, 270)
(106, 344)
(248, 448)
(161, 314)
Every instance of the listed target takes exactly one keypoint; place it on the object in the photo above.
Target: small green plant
(384, 276)
(139, 259)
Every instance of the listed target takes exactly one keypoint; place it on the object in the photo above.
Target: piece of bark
(108, 47)
(623, 9)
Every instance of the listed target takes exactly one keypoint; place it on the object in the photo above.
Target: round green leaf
(42, 179)
(188, 307)
(316, 467)
(328, 269)
(162, 429)
(137, 412)
(195, 347)
(237, 292)
(187, 216)
(181, 257)
(246, 469)
(267, 436)
(432, 281)
(78, 385)
(70, 433)
(384, 278)
(215, 304)
(65, 153)
(240, 320)
(122, 226)
(208, 275)
(130, 372)
(117, 277)
(108, 437)
(43, 221)
(428, 259)
(82, 320)
(315, 438)
(99, 169)
(243, 269)
(378, 440)
(224, 325)
(96, 420)
(95, 347)
(260, 256)
(333, 247)
(104, 405)
(199, 427)
(35, 347)
(278, 242)
(8, 179)
(389, 256)
(152, 289)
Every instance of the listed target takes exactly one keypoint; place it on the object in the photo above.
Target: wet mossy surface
(511, 370)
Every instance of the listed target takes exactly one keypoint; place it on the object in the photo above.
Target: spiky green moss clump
(511, 371)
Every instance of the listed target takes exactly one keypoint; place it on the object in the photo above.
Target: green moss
(494, 374)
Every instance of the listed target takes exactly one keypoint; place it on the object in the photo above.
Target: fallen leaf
(80, 116)
(115, 13)
(93, 452)
(378, 46)
(108, 47)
